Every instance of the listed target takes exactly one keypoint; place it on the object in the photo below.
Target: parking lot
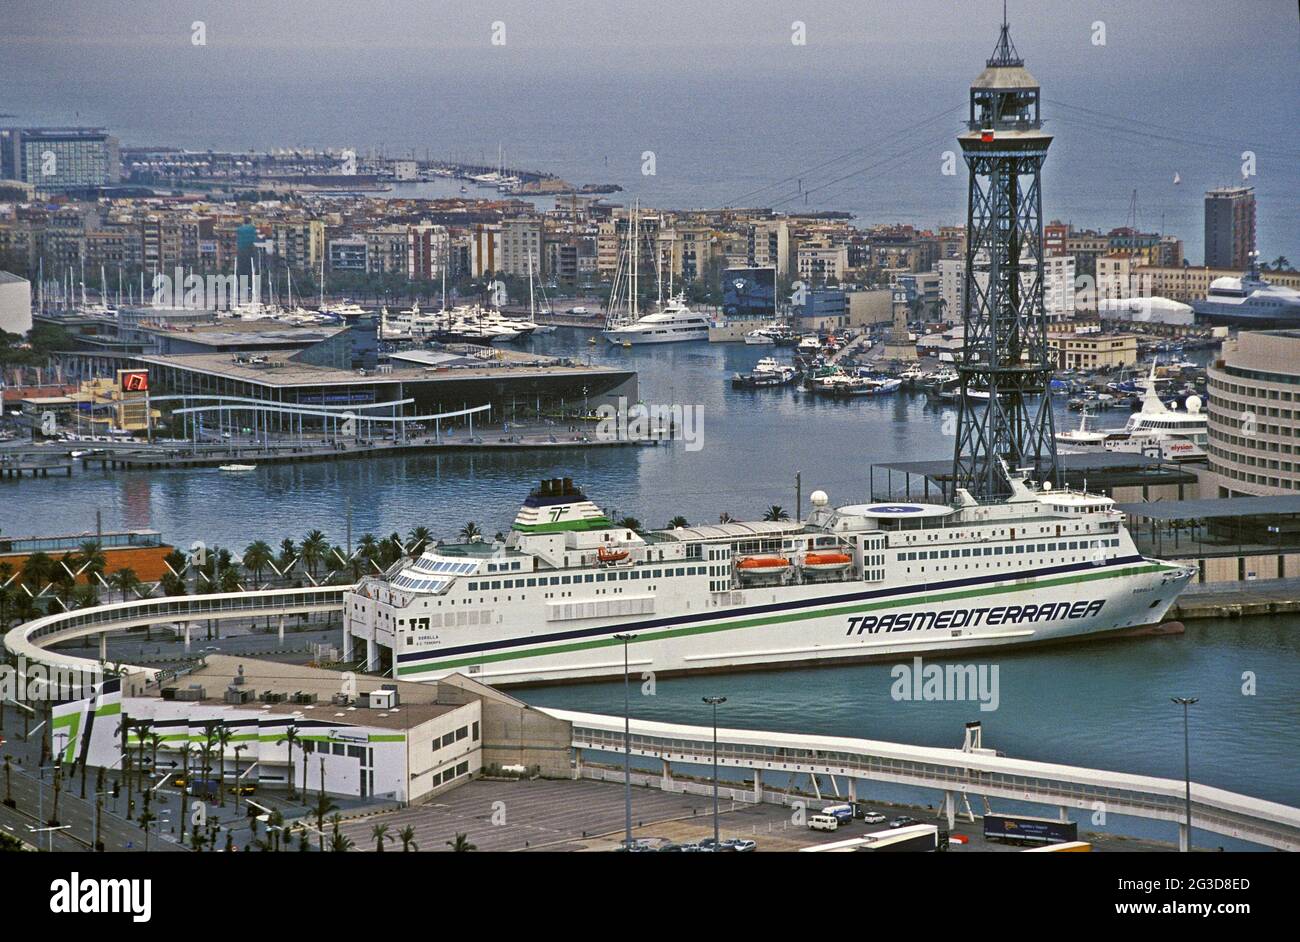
(588, 815)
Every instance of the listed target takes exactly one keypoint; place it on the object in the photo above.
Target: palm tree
(124, 730)
(1281, 263)
(288, 556)
(379, 834)
(90, 555)
(237, 750)
(257, 556)
(419, 537)
(776, 512)
(339, 842)
(38, 571)
(223, 739)
(407, 836)
(628, 523)
(314, 547)
(124, 580)
(228, 581)
(323, 807)
(367, 552)
(290, 737)
(147, 818)
(461, 844)
(678, 521)
(471, 532)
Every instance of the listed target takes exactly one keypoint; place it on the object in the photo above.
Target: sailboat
(673, 322)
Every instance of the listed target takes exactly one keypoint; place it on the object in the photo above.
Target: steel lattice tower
(1006, 350)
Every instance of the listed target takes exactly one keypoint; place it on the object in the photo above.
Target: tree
(339, 842)
(147, 818)
(407, 836)
(287, 558)
(1281, 263)
(289, 738)
(90, 560)
(379, 834)
(223, 737)
(38, 571)
(124, 580)
(228, 581)
(173, 585)
(678, 521)
(257, 556)
(471, 532)
(323, 808)
(461, 844)
(628, 523)
(314, 547)
(418, 538)
(776, 512)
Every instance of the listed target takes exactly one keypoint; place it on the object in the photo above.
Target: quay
(1238, 600)
(180, 457)
(14, 466)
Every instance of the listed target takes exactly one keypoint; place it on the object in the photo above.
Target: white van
(823, 822)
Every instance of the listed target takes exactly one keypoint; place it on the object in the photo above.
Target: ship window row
(502, 567)
(588, 577)
(1017, 550)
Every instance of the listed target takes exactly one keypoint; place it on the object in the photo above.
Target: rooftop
(1215, 508)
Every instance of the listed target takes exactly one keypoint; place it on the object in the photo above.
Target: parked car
(710, 846)
(903, 821)
(742, 845)
(873, 817)
(671, 848)
(690, 847)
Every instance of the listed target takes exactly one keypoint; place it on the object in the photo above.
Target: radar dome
(819, 499)
(1193, 403)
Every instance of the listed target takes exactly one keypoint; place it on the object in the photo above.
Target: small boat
(237, 467)
(762, 565)
(823, 562)
(759, 337)
(606, 555)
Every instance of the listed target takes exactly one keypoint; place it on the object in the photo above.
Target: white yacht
(854, 582)
(674, 322)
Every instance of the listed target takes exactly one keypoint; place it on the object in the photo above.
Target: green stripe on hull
(773, 619)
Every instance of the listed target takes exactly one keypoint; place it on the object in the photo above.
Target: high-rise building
(56, 160)
(1229, 227)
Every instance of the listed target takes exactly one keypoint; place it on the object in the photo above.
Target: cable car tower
(1005, 350)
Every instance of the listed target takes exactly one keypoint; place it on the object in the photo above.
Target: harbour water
(1102, 704)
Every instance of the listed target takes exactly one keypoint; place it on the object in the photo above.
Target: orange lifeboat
(763, 564)
(827, 561)
(605, 555)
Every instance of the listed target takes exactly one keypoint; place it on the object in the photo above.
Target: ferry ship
(854, 582)
(1249, 301)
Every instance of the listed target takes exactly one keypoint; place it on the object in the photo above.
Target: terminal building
(353, 735)
(282, 372)
(1254, 416)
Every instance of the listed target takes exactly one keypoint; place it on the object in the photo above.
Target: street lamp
(1187, 763)
(714, 701)
(627, 743)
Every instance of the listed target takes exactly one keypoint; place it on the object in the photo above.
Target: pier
(14, 466)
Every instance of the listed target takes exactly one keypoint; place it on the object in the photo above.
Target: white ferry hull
(827, 623)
